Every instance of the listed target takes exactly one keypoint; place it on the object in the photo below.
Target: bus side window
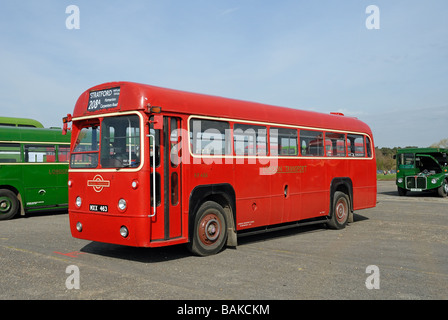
(40, 154)
(174, 189)
(355, 143)
(174, 141)
(249, 140)
(335, 144)
(63, 153)
(158, 197)
(311, 143)
(368, 147)
(10, 153)
(283, 141)
(210, 137)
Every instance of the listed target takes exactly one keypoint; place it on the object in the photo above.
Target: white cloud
(229, 11)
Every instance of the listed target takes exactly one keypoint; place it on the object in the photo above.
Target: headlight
(122, 204)
(434, 181)
(400, 180)
(79, 226)
(78, 202)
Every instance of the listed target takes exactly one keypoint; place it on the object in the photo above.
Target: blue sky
(312, 54)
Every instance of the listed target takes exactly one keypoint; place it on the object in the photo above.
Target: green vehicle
(20, 122)
(33, 170)
(422, 169)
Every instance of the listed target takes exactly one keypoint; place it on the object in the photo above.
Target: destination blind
(103, 99)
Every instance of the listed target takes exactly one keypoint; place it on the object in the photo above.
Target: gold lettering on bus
(291, 169)
(201, 175)
(57, 171)
(284, 169)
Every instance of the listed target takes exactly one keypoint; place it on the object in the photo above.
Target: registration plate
(415, 189)
(98, 208)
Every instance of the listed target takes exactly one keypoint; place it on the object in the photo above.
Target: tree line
(384, 156)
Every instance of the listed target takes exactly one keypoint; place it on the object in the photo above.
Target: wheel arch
(345, 185)
(224, 195)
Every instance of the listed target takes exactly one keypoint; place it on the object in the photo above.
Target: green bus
(422, 169)
(20, 122)
(33, 170)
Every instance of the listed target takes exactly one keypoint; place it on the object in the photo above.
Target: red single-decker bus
(152, 167)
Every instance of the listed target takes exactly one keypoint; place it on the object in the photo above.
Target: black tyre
(401, 191)
(339, 211)
(9, 204)
(209, 230)
(443, 189)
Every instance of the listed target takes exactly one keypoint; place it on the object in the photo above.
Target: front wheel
(340, 211)
(443, 189)
(210, 230)
(401, 191)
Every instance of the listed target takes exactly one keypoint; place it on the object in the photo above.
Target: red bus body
(273, 185)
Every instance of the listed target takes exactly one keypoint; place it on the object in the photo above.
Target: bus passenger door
(40, 177)
(167, 222)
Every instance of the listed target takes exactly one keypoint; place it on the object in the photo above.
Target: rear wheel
(9, 204)
(210, 230)
(340, 211)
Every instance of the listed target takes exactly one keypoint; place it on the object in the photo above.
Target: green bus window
(40, 154)
(406, 160)
(10, 153)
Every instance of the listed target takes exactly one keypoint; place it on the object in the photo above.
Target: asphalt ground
(398, 250)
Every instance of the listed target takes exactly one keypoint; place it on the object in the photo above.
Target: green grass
(387, 177)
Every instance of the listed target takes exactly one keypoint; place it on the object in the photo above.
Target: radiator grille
(416, 182)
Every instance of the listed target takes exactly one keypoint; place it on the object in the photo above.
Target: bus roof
(422, 150)
(16, 134)
(20, 122)
(134, 96)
